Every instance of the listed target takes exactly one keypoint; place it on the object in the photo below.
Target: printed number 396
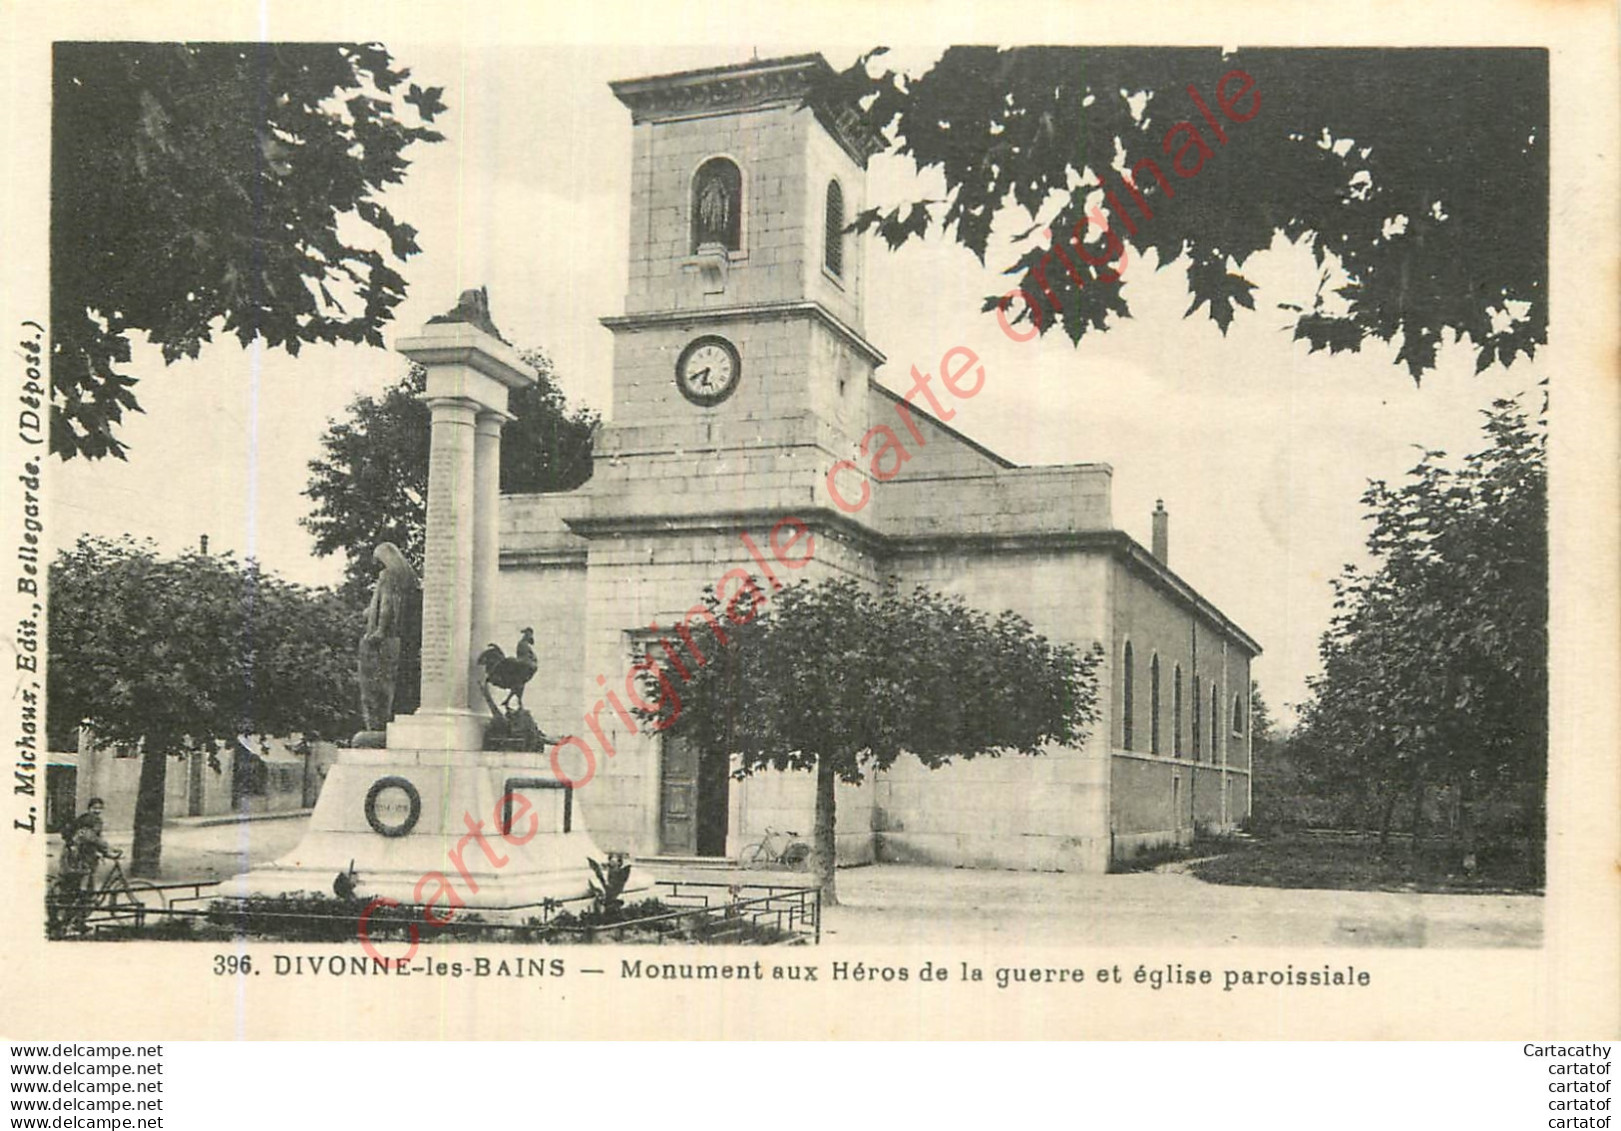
(233, 964)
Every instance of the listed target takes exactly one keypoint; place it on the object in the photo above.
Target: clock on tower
(708, 370)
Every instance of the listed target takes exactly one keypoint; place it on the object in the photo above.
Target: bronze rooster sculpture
(511, 673)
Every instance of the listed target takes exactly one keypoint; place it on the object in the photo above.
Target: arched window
(1215, 720)
(1125, 718)
(1153, 704)
(717, 205)
(833, 253)
(1238, 714)
(1176, 711)
(1198, 730)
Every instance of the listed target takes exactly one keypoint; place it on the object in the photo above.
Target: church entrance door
(693, 789)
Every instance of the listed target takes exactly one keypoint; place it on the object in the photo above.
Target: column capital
(464, 361)
(491, 420)
(456, 410)
(458, 343)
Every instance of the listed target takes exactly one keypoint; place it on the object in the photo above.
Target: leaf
(1337, 335)
(427, 101)
(1212, 284)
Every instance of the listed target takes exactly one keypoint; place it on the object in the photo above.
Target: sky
(1260, 450)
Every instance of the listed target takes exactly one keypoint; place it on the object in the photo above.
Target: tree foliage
(225, 187)
(837, 680)
(1262, 727)
(1289, 786)
(1418, 178)
(1435, 666)
(170, 655)
(370, 484)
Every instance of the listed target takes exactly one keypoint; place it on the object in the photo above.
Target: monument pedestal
(445, 729)
(497, 828)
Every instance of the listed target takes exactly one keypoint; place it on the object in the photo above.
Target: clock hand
(701, 375)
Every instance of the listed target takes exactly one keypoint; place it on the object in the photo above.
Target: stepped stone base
(495, 828)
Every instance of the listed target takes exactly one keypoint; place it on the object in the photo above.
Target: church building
(746, 417)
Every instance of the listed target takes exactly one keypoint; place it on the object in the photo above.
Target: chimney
(203, 544)
(1162, 532)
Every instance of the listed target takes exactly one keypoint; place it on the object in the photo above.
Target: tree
(840, 681)
(226, 186)
(370, 485)
(1285, 793)
(165, 656)
(1261, 724)
(1435, 666)
(1406, 172)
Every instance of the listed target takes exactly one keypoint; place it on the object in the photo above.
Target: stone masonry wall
(1159, 795)
(1048, 812)
(768, 146)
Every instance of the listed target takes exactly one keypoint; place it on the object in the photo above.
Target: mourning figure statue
(510, 673)
(380, 643)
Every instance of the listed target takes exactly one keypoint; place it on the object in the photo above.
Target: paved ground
(214, 851)
(900, 904)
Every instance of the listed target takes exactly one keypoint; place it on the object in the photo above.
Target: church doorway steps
(707, 863)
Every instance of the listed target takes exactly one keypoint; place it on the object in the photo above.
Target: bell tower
(745, 292)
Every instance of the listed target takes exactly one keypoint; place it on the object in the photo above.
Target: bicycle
(776, 849)
(117, 898)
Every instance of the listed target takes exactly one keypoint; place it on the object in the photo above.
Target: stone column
(449, 573)
(470, 372)
(486, 542)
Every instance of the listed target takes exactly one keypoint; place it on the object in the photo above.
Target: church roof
(1134, 554)
(961, 437)
(742, 86)
(1114, 541)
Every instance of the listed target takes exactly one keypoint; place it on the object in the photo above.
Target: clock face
(708, 370)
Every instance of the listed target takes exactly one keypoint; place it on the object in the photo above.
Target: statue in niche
(716, 205)
(380, 643)
(714, 209)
